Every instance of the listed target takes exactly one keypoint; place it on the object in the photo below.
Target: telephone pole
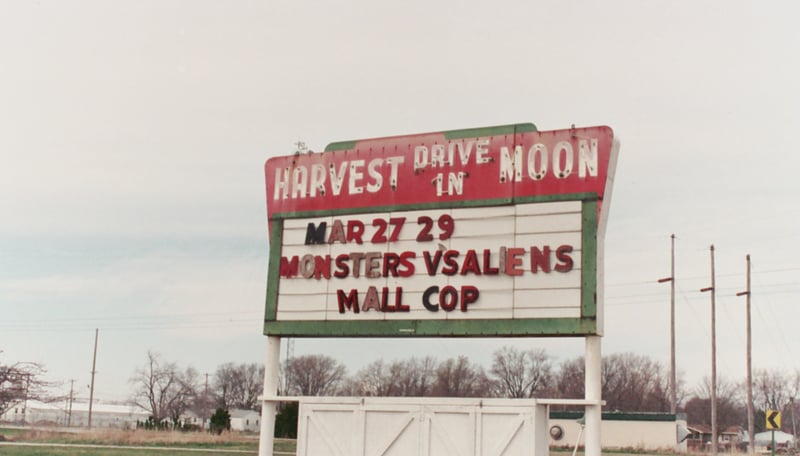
(91, 388)
(25, 404)
(750, 420)
(673, 394)
(71, 390)
(712, 289)
(205, 403)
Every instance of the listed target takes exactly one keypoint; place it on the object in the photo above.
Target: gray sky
(133, 136)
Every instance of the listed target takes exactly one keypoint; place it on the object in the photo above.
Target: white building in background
(117, 416)
(38, 413)
(245, 420)
(783, 440)
(636, 430)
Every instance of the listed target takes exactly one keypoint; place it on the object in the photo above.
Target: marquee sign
(480, 232)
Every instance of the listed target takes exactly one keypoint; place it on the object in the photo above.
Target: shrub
(220, 421)
(286, 421)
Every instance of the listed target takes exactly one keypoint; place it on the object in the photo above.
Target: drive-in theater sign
(480, 232)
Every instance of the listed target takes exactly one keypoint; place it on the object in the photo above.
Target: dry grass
(140, 437)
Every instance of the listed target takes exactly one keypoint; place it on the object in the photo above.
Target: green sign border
(586, 324)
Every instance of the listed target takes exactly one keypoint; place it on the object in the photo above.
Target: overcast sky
(133, 136)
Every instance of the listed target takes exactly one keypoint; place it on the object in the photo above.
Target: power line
(146, 327)
(136, 317)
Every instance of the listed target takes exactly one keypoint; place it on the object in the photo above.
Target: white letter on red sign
(354, 185)
(281, 183)
(376, 176)
(299, 182)
(509, 167)
(317, 179)
(588, 158)
(566, 170)
(539, 150)
(420, 157)
(338, 179)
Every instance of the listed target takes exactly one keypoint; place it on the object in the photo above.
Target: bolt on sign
(481, 232)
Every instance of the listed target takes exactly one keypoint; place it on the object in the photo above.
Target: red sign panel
(496, 165)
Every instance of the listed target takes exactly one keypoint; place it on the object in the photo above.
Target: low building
(699, 439)
(245, 420)
(639, 431)
(783, 440)
(36, 413)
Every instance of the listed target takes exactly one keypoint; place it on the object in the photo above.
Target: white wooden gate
(421, 426)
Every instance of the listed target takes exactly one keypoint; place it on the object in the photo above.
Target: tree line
(168, 391)
(630, 383)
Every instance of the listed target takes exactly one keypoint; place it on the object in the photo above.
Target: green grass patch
(11, 433)
(284, 445)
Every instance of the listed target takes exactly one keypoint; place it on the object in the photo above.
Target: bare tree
(773, 389)
(203, 403)
(238, 386)
(377, 379)
(730, 407)
(631, 383)
(777, 390)
(185, 394)
(569, 380)
(460, 378)
(251, 385)
(224, 379)
(634, 383)
(416, 377)
(162, 388)
(521, 374)
(20, 382)
(412, 377)
(314, 375)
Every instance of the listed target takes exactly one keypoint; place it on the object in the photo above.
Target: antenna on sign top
(301, 147)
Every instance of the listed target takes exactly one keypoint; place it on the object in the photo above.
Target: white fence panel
(421, 426)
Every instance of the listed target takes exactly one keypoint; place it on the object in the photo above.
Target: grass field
(147, 443)
(8, 450)
(139, 443)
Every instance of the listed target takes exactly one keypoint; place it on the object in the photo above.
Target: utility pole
(205, 403)
(673, 394)
(750, 420)
(712, 289)
(25, 404)
(91, 388)
(794, 428)
(71, 390)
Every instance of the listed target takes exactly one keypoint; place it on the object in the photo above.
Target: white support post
(593, 413)
(271, 371)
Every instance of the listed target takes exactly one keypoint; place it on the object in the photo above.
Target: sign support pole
(593, 413)
(773, 442)
(271, 369)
